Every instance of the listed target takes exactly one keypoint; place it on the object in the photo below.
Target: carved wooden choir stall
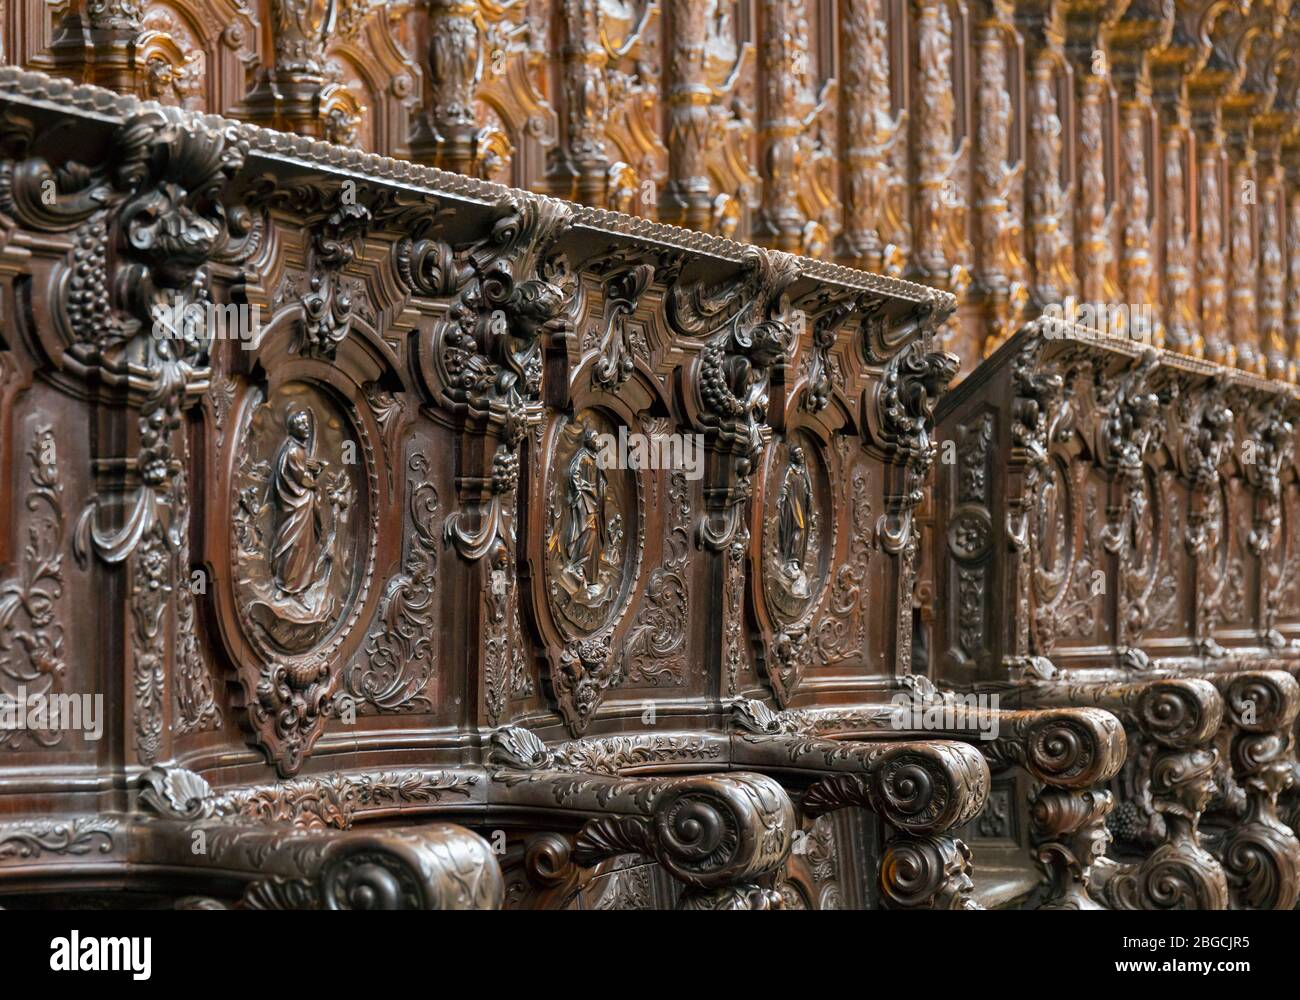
(401, 511)
(1139, 553)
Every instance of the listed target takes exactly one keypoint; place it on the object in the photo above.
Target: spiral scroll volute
(720, 829)
(1074, 747)
(929, 787)
(927, 873)
(1260, 701)
(440, 867)
(1179, 713)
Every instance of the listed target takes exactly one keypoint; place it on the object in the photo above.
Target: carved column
(1180, 311)
(876, 232)
(785, 76)
(1047, 202)
(1210, 85)
(999, 266)
(1137, 266)
(1272, 268)
(1094, 228)
(586, 97)
(1185, 53)
(942, 250)
(99, 45)
(1244, 346)
(1211, 265)
(1292, 223)
(688, 195)
(453, 76)
(295, 93)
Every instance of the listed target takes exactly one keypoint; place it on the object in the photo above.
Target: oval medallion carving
(1053, 532)
(790, 561)
(300, 520)
(591, 511)
(798, 528)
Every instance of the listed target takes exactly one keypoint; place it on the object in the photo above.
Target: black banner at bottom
(940, 952)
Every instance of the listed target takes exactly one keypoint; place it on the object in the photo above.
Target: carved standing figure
(298, 517)
(794, 509)
(585, 536)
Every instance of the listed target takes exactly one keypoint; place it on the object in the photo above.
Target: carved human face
(299, 424)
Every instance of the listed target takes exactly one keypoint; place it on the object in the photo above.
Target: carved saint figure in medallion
(297, 549)
(794, 510)
(296, 488)
(591, 503)
(795, 551)
(586, 531)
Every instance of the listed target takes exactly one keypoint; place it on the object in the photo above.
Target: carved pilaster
(749, 334)
(900, 423)
(145, 223)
